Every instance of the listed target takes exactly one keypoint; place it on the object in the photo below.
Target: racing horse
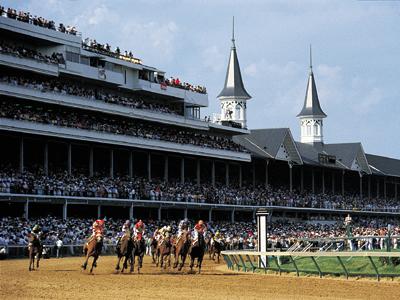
(34, 250)
(93, 248)
(216, 248)
(164, 250)
(153, 249)
(197, 250)
(124, 250)
(181, 249)
(138, 250)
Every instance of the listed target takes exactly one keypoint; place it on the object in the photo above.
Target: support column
(254, 214)
(233, 216)
(323, 181)
(395, 190)
(183, 170)
(159, 214)
(166, 168)
(198, 170)
(98, 211)
(333, 182)
(254, 174)
(69, 159)
(111, 163)
(185, 213)
(65, 210)
(130, 167)
(266, 173)
(91, 154)
(343, 182)
(384, 188)
(213, 173)
(361, 186)
(312, 180)
(26, 210)
(131, 212)
(240, 175)
(227, 174)
(302, 179)
(149, 166)
(21, 155)
(210, 215)
(290, 177)
(369, 187)
(46, 159)
(377, 187)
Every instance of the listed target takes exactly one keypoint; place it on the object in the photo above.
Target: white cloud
(251, 70)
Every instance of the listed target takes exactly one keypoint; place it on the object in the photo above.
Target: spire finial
(233, 31)
(310, 58)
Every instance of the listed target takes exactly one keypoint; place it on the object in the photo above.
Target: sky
(356, 55)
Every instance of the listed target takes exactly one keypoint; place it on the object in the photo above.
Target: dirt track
(62, 278)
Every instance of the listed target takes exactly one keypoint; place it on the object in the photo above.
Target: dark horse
(197, 251)
(153, 249)
(164, 250)
(216, 249)
(35, 250)
(124, 250)
(138, 250)
(93, 248)
(181, 249)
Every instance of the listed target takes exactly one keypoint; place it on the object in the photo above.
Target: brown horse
(197, 250)
(92, 248)
(138, 250)
(216, 248)
(181, 249)
(153, 249)
(164, 250)
(124, 250)
(35, 250)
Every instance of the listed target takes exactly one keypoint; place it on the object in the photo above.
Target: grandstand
(87, 131)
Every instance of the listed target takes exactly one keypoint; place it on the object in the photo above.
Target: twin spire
(234, 87)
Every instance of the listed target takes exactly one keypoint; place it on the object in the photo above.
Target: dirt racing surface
(62, 278)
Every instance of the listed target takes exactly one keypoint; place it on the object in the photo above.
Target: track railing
(364, 264)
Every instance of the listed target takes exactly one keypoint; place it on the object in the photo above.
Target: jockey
(156, 234)
(199, 228)
(126, 228)
(183, 225)
(36, 231)
(98, 229)
(217, 237)
(165, 232)
(139, 230)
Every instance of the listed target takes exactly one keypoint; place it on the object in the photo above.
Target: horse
(138, 250)
(197, 250)
(93, 248)
(35, 250)
(124, 249)
(153, 249)
(216, 249)
(164, 252)
(181, 249)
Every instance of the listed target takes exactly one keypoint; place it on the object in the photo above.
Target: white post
(185, 213)
(290, 177)
(46, 159)
(262, 225)
(98, 211)
(210, 215)
(159, 213)
(131, 212)
(26, 210)
(65, 210)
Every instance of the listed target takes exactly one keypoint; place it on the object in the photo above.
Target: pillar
(65, 210)
(111, 163)
(323, 181)
(343, 183)
(262, 245)
(384, 188)
(290, 177)
(21, 155)
(198, 170)
(369, 187)
(131, 212)
(333, 182)
(130, 167)
(69, 159)
(266, 173)
(166, 168)
(210, 215)
(395, 190)
(183, 170)
(254, 174)
(159, 214)
(185, 213)
(227, 174)
(254, 214)
(46, 159)
(302, 179)
(149, 166)
(98, 211)
(213, 173)
(26, 210)
(361, 186)
(91, 154)
(377, 187)
(240, 175)
(313, 180)
(233, 216)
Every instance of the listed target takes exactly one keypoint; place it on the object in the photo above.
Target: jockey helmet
(201, 222)
(36, 228)
(100, 222)
(140, 222)
(168, 228)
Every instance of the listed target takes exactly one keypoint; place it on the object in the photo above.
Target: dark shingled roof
(234, 87)
(384, 165)
(311, 105)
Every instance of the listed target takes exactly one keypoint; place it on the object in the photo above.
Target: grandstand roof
(384, 165)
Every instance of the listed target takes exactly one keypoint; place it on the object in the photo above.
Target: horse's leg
(183, 258)
(199, 261)
(95, 257)
(176, 259)
(86, 261)
(39, 256)
(118, 262)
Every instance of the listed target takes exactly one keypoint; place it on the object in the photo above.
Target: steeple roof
(311, 105)
(234, 87)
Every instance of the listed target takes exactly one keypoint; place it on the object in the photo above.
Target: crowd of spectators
(21, 51)
(58, 116)
(123, 187)
(175, 82)
(237, 235)
(73, 88)
(26, 17)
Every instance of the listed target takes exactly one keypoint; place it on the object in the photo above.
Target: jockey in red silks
(138, 230)
(199, 228)
(98, 229)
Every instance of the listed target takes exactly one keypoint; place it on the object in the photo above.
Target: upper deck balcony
(29, 64)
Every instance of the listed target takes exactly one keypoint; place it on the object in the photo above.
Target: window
(316, 131)
(308, 129)
(238, 112)
(73, 57)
